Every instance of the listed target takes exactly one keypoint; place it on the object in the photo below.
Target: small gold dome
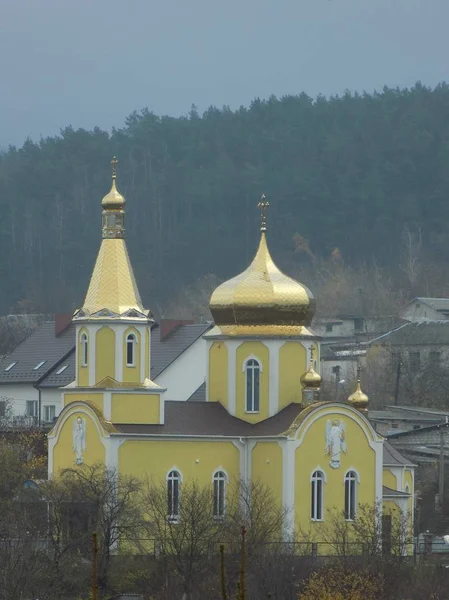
(262, 295)
(311, 379)
(113, 200)
(359, 399)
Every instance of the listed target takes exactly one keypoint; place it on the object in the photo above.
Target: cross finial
(312, 354)
(359, 371)
(114, 163)
(263, 205)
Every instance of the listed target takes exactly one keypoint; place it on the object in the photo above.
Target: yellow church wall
(88, 396)
(143, 457)
(63, 454)
(147, 353)
(310, 455)
(390, 480)
(135, 408)
(292, 364)
(218, 373)
(104, 354)
(261, 352)
(266, 467)
(83, 372)
(132, 374)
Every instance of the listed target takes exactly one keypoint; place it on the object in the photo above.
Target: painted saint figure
(79, 439)
(335, 441)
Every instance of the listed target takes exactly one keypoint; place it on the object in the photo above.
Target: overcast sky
(92, 62)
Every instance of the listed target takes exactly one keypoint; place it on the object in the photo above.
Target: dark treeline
(347, 172)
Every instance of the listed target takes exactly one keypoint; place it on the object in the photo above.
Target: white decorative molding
(232, 346)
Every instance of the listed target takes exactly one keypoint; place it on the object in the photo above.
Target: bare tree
(411, 248)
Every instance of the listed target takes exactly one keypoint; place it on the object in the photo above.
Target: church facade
(262, 419)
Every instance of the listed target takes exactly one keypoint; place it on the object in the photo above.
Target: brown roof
(211, 418)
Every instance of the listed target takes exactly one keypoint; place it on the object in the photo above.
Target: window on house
(173, 489)
(394, 425)
(2, 409)
(359, 324)
(329, 327)
(415, 361)
(39, 365)
(84, 350)
(350, 495)
(219, 494)
(49, 413)
(131, 350)
(317, 481)
(61, 370)
(252, 385)
(9, 367)
(31, 408)
(435, 358)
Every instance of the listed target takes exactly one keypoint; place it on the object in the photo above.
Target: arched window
(350, 495)
(84, 348)
(252, 385)
(219, 494)
(131, 350)
(317, 481)
(173, 489)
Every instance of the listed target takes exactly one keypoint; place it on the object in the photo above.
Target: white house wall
(16, 396)
(185, 374)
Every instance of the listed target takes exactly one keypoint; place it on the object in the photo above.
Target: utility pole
(398, 378)
(94, 567)
(441, 478)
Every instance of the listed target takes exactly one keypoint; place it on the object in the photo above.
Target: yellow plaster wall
(63, 454)
(311, 454)
(141, 458)
(104, 354)
(131, 374)
(147, 353)
(83, 372)
(218, 373)
(96, 398)
(292, 364)
(135, 408)
(266, 467)
(389, 479)
(261, 352)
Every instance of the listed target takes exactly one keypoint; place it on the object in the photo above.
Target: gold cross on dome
(359, 371)
(114, 163)
(312, 354)
(263, 205)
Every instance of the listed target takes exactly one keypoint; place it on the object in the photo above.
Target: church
(262, 420)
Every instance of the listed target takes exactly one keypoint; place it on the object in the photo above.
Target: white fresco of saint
(335, 441)
(79, 439)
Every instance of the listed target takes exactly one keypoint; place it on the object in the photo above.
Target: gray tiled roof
(436, 303)
(41, 345)
(392, 457)
(163, 353)
(198, 395)
(211, 418)
(53, 379)
(417, 333)
(386, 492)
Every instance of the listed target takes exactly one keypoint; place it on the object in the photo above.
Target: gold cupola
(262, 300)
(359, 399)
(311, 380)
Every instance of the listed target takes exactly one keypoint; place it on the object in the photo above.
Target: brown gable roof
(212, 419)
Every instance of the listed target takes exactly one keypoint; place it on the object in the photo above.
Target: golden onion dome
(359, 399)
(311, 380)
(262, 296)
(113, 200)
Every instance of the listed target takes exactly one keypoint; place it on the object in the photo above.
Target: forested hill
(344, 172)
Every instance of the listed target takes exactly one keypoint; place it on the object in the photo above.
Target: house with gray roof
(31, 377)
(426, 309)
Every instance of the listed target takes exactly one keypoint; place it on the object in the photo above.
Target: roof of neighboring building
(198, 395)
(164, 352)
(62, 374)
(420, 431)
(386, 491)
(440, 304)
(417, 333)
(42, 346)
(212, 419)
(393, 458)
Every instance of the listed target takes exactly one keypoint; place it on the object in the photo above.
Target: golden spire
(311, 379)
(114, 200)
(114, 163)
(359, 399)
(263, 205)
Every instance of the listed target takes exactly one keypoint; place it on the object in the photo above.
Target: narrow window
(31, 409)
(415, 361)
(2, 409)
(252, 385)
(219, 494)
(173, 482)
(130, 350)
(350, 495)
(84, 349)
(317, 480)
(49, 413)
(329, 327)
(435, 358)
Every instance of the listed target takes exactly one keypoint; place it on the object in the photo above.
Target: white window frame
(47, 408)
(317, 478)
(61, 369)
(39, 365)
(33, 403)
(246, 368)
(84, 349)
(173, 476)
(219, 476)
(9, 367)
(351, 480)
(131, 339)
